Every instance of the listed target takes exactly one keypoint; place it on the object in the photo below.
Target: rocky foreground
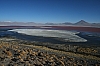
(15, 53)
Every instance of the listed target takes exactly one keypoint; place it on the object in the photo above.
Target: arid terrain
(15, 52)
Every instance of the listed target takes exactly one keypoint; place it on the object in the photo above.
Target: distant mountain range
(80, 23)
(19, 23)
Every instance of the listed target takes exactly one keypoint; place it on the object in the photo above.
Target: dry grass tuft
(22, 53)
(9, 53)
(0, 46)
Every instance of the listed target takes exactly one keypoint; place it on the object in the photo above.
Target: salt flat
(66, 35)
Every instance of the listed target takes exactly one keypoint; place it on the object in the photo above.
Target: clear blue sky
(42, 11)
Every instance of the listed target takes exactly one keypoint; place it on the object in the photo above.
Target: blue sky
(57, 11)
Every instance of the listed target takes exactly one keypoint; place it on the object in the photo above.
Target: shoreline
(92, 38)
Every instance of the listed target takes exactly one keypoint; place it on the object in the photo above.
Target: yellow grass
(64, 53)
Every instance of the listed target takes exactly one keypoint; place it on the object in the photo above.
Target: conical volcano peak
(82, 22)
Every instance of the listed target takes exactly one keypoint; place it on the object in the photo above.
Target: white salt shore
(66, 35)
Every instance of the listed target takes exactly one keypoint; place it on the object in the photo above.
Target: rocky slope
(19, 53)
